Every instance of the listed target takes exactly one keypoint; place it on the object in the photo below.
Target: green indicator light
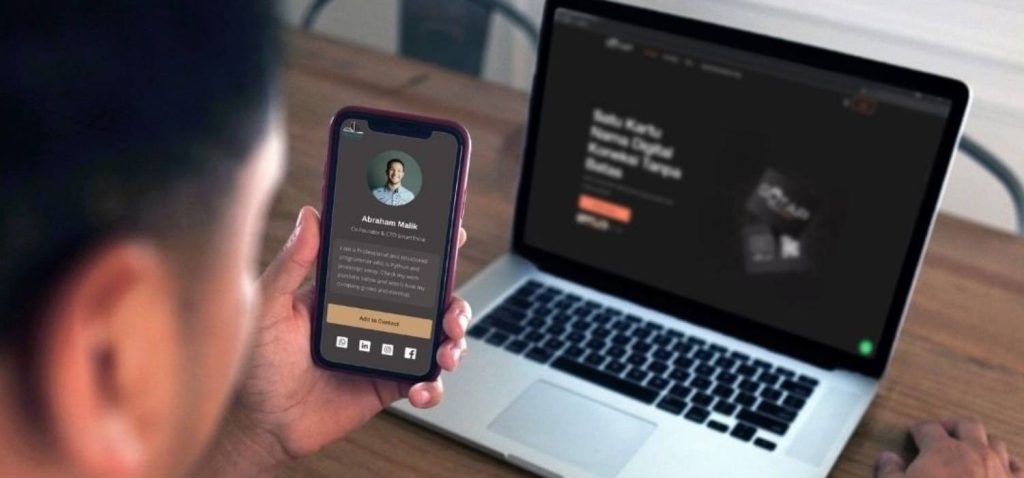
(865, 347)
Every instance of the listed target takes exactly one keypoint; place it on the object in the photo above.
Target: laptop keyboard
(730, 392)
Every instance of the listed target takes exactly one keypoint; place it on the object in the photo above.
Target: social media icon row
(385, 349)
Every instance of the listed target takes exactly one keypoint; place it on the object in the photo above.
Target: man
(142, 148)
(393, 193)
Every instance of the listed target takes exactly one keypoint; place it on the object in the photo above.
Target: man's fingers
(456, 319)
(291, 266)
(928, 434)
(462, 236)
(889, 465)
(426, 394)
(1015, 467)
(999, 447)
(970, 431)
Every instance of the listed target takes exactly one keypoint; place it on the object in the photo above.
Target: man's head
(140, 154)
(395, 172)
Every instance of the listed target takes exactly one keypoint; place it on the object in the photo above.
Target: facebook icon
(410, 353)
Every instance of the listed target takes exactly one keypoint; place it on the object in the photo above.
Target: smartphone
(393, 197)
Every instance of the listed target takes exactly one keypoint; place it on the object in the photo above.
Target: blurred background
(978, 41)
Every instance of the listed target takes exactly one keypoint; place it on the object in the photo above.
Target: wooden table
(961, 351)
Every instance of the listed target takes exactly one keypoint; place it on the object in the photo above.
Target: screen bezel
(404, 125)
(744, 328)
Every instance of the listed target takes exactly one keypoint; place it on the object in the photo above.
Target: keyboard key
(621, 339)
(662, 340)
(723, 391)
(717, 348)
(743, 432)
(726, 378)
(725, 363)
(769, 379)
(802, 391)
(718, 426)
(684, 363)
(574, 351)
(518, 303)
(762, 364)
(809, 381)
(616, 351)
(642, 347)
(785, 372)
(683, 348)
(510, 314)
(697, 414)
(771, 394)
(534, 336)
(594, 359)
(642, 334)
(637, 359)
(657, 367)
(553, 344)
(606, 380)
(539, 354)
(702, 399)
(745, 399)
(517, 346)
(576, 337)
(746, 370)
(672, 405)
(657, 383)
(615, 367)
(725, 408)
(749, 386)
(680, 391)
(621, 326)
(634, 319)
(796, 403)
(504, 326)
(497, 338)
(704, 370)
(537, 323)
(761, 442)
(704, 355)
(595, 344)
(637, 375)
(679, 375)
(601, 332)
(555, 330)
(663, 354)
(478, 331)
(740, 356)
(700, 383)
(762, 421)
(776, 411)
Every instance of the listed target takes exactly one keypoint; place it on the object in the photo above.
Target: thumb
(889, 465)
(291, 266)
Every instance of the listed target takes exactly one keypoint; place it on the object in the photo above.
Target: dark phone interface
(389, 228)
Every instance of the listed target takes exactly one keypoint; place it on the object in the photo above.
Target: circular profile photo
(394, 178)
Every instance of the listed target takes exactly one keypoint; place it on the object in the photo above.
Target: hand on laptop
(958, 448)
(286, 407)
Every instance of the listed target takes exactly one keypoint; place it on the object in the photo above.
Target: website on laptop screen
(776, 191)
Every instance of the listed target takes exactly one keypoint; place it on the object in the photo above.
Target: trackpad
(573, 428)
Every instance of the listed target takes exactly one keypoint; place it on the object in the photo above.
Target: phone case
(459, 208)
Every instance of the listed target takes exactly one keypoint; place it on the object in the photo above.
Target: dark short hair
(394, 160)
(121, 118)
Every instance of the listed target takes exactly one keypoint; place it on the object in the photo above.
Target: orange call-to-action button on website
(604, 208)
(380, 321)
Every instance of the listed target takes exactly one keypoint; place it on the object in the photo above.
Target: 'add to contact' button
(380, 321)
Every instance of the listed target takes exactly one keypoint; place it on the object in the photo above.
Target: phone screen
(390, 227)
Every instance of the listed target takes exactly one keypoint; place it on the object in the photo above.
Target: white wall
(979, 41)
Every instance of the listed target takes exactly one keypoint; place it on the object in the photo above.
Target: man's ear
(111, 371)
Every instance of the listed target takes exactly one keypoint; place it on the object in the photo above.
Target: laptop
(716, 236)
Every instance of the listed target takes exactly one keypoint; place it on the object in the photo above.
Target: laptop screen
(769, 189)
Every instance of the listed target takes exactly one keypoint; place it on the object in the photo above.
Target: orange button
(381, 321)
(604, 208)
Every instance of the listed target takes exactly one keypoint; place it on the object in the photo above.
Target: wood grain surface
(961, 351)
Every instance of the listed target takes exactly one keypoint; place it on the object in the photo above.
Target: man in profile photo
(393, 193)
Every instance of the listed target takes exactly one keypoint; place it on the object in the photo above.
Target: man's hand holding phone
(286, 406)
